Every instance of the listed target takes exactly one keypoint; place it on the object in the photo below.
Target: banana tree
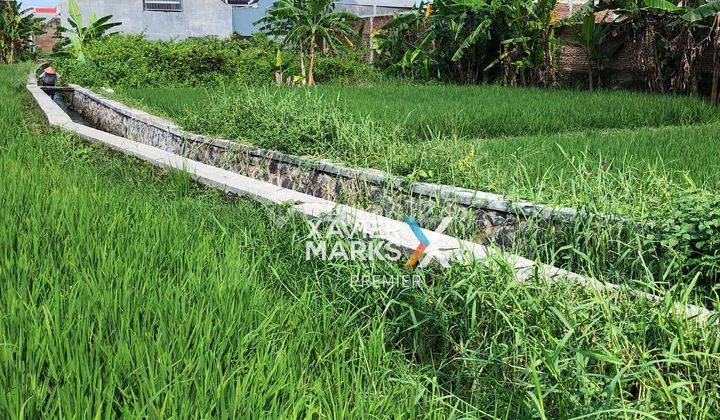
(473, 41)
(308, 24)
(75, 38)
(394, 43)
(592, 38)
(669, 38)
(17, 28)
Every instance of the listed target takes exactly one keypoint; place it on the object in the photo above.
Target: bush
(347, 70)
(688, 236)
(344, 70)
(131, 61)
(298, 121)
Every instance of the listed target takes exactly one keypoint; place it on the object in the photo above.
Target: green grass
(619, 151)
(642, 173)
(129, 292)
(477, 111)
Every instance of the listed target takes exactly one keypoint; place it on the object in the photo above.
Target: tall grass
(619, 154)
(426, 111)
(129, 292)
(642, 174)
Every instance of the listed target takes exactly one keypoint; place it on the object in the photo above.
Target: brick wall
(376, 23)
(46, 41)
(620, 70)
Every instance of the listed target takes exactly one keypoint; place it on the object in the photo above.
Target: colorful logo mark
(424, 242)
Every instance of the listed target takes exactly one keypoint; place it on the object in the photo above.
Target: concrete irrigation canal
(316, 189)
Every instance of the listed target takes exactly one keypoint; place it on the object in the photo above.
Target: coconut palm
(307, 24)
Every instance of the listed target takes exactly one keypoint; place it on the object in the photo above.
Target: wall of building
(368, 8)
(46, 41)
(198, 18)
(244, 18)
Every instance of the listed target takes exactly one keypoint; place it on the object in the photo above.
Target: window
(163, 5)
(243, 3)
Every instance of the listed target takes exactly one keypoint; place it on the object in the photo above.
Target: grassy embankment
(127, 291)
(648, 158)
(614, 151)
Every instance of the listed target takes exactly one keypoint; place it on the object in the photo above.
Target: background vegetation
(310, 26)
(17, 28)
(515, 42)
(133, 61)
(510, 41)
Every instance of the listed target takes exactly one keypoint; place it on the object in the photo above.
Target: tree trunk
(302, 63)
(716, 62)
(590, 78)
(311, 69)
(648, 59)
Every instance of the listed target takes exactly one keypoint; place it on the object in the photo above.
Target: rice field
(475, 111)
(619, 152)
(129, 292)
(649, 167)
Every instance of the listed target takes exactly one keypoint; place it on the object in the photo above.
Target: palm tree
(306, 24)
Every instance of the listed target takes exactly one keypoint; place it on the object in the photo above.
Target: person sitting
(49, 77)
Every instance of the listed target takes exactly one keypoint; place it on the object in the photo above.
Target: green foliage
(149, 297)
(113, 272)
(74, 40)
(17, 28)
(668, 40)
(592, 37)
(702, 12)
(307, 25)
(687, 235)
(350, 70)
(473, 41)
(293, 120)
(133, 61)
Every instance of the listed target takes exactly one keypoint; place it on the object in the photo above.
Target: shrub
(347, 70)
(298, 121)
(688, 235)
(131, 61)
